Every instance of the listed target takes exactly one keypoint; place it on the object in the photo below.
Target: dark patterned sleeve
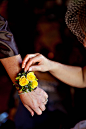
(8, 46)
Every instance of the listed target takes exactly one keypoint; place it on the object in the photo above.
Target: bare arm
(11, 61)
(12, 65)
(33, 101)
(71, 75)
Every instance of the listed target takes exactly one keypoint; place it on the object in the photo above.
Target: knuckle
(27, 55)
(40, 55)
(37, 53)
(34, 106)
(46, 95)
(41, 91)
(39, 102)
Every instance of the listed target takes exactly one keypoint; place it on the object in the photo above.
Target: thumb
(35, 68)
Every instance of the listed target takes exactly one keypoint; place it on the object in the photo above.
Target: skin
(71, 75)
(34, 101)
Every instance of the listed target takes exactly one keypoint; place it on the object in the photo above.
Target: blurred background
(39, 26)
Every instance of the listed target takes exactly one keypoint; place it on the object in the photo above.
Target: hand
(35, 100)
(36, 62)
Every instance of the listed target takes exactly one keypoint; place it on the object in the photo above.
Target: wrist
(52, 65)
(21, 92)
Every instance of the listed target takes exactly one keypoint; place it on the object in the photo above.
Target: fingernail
(23, 67)
(32, 115)
(30, 69)
(25, 70)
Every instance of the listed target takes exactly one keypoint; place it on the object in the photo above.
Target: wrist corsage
(26, 82)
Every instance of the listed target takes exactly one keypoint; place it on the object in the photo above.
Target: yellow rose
(23, 81)
(34, 84)
(31, 76)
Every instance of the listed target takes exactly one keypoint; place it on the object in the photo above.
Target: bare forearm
(33, 101)
(71, 75)
(12, 66)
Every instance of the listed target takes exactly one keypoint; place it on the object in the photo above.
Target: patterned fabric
(8, 46)
(80, 125)
(76, 18)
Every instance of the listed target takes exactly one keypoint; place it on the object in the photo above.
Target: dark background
(39, 26)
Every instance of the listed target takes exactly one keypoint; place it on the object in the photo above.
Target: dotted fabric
(75, 18)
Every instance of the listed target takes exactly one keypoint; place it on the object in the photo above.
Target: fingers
(32, 68)
(45, 102)
(26, 59)
(36, 62)
(30, 110)
(46, 95)
(39, 104)
(41, 92)
(32, 62)
(36, 108)
(42, 107)
(43, 95)
(34, 101)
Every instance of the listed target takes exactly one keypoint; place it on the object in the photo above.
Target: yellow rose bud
(23, 81)
(31, 76)
(34, 84)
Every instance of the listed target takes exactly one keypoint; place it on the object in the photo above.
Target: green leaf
(36, 79)
(17, 78)
(30, 89)
(16, 82)
(23, 73)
